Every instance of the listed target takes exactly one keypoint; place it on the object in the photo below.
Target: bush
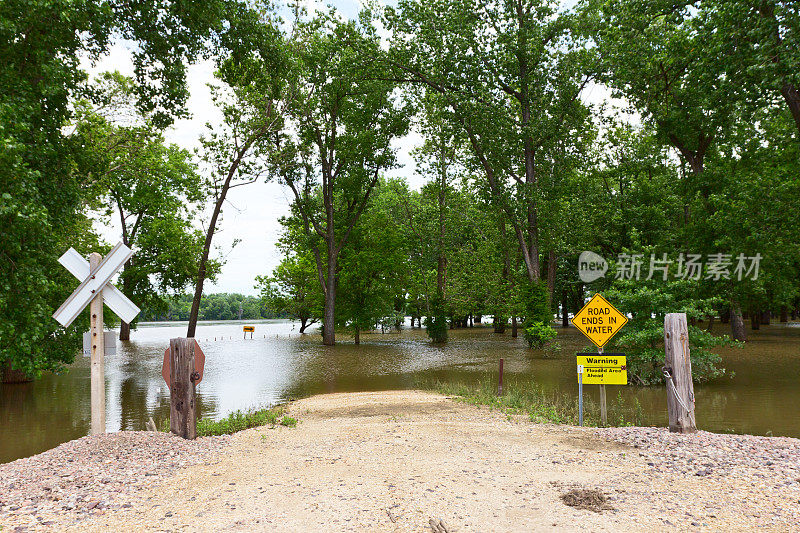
(538, 334)
(436, 324)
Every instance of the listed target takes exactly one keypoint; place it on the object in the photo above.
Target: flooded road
(761, 398)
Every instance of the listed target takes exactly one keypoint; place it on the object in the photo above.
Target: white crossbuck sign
(94, 282)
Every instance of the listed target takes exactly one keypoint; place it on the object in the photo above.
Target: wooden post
(500, 380)
(182, 413)
(97, 362)
(603, 406)
(678, 373)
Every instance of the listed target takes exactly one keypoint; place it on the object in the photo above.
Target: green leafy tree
(342, 119)
(147, 186)
(41, 43)
(293, 290)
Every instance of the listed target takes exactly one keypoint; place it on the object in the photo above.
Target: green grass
(241, 420)
(527, 398)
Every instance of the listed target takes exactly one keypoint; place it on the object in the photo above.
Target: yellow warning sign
(599, 320)
(603, 368)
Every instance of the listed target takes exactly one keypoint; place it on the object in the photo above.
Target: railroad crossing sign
(603, 368)
(96, 283)
(94, 290)
(599, 320)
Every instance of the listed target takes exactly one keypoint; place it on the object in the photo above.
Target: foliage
(241, 420)
(538, 334)
(642, 339)
(293, 290)
(44, 195)
(219, 306)
(436, 322)
(149, 187)
(341, 118)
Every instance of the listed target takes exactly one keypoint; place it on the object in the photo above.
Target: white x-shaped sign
(94, 282)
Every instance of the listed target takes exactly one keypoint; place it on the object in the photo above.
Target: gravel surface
(93, 475)
(773, 461)
(401, 460)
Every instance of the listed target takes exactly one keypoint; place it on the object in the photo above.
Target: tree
(511, 75)
(342, 120)
(148, 186)
(254, 70)
(293, 290)
(760, 43)
(42, 208)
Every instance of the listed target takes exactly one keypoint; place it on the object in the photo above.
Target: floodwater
(762, 398)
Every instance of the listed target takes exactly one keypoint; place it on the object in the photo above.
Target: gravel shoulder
(392, 461)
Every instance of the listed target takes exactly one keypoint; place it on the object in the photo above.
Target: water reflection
(278, 364)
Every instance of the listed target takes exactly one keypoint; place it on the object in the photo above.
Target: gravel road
(394, 461)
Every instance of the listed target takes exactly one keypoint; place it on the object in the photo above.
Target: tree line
(217, 306)
(696, 169)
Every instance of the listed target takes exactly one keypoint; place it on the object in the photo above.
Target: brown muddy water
(763, 397)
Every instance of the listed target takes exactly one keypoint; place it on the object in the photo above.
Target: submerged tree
(341, 122)
(149, 187)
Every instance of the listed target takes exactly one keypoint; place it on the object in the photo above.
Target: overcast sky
(252, 211)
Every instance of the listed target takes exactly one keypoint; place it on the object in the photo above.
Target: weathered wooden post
(678, 374)
(182, 409)
(98, 354)
(500, 379)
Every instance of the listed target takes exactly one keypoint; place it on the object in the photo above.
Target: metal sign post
(599, 321)
(93, 291)
(580, 395)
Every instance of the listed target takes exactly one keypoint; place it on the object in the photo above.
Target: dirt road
(392, 461)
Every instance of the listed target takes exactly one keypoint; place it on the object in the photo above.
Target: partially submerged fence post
(500, 380)
(182, 410)
(678, 374)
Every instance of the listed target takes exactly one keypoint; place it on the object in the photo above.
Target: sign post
(248, 329)
(580, 395)
(600, 321)
(97, 362)
(93, 291)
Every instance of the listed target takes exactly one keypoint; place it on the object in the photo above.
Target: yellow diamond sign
(599, 320)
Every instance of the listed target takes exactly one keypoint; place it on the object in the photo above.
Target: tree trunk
(725, 316)
(738, 332)
(12, 375)
(514, 332)
(792, 97)
(755, 320)
(784, 314)
(499, 324)
(710, 326)
(124, 331)
(564, 311)
(358, 336)
(765, 317)
(329, 332)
